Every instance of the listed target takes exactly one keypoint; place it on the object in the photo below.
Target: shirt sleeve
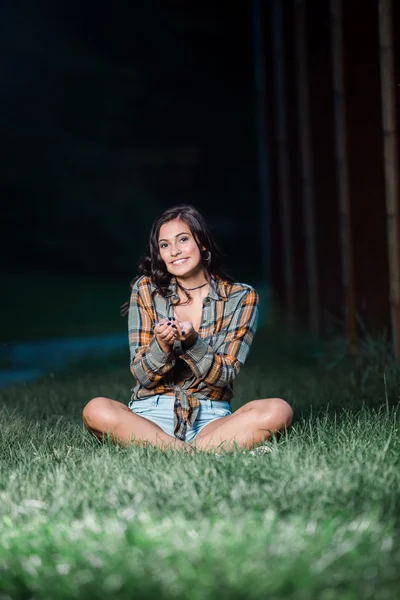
(219, 369)
(148, 362)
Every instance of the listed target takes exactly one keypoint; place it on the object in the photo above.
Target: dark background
(111, 113)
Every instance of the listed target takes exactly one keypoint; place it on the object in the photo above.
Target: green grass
(317, 518)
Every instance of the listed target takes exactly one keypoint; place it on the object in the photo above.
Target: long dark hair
(152, 265)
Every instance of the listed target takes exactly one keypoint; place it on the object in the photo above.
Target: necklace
(195, 288)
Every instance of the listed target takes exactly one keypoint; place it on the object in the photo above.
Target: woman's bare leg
(247, 427)
(103, 415)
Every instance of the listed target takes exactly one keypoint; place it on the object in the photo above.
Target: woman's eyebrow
(164, 240)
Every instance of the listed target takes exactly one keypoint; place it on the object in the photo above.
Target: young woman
(190, 330)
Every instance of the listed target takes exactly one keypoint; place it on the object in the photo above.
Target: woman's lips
(180, 261)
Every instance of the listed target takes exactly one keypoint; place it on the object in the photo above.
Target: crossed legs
(247, 427)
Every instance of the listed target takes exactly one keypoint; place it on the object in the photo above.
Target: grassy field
(319, 517)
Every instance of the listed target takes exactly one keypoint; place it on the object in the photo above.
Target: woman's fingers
(160, 325)
(165, 332)
(185, 329)
(163, 325)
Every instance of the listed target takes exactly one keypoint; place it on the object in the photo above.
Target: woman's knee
(285, 410)
(97, 411)
(278, 411)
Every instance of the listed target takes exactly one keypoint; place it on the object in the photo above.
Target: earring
(208, 257)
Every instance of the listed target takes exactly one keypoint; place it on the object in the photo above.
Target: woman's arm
(148, 361)
(218, 370)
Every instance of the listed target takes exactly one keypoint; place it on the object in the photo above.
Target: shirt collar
(217, 291)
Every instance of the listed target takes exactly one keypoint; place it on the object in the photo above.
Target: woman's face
(178, 249)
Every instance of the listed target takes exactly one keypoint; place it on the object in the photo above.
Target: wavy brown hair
(152, 265)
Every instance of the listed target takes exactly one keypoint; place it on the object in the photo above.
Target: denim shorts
(160, 410)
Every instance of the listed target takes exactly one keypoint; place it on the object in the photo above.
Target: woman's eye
(181, 239)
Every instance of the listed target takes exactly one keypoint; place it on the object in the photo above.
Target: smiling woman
(190, 327)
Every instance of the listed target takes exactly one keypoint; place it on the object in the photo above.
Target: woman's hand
(177, 330)
(166, 333)
(188, 335)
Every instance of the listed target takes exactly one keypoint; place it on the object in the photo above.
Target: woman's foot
(264, 449)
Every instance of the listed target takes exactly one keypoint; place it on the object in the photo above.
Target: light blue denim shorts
(160, 410)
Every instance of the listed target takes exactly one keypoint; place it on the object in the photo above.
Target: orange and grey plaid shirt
(208, 368)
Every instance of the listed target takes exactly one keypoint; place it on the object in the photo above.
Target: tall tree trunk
(342, 170)
(259, 19)
(391, 163)
(306, 163)
(283, 158)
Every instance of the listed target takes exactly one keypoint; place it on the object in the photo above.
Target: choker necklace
(196, 288)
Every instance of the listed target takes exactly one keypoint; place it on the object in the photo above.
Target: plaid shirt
(209, 367)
